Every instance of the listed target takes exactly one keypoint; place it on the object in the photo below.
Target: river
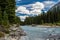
(38, 33)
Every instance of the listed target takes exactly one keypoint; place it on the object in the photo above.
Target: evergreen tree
(7, 14)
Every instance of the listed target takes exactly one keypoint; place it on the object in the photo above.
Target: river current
(38, 33)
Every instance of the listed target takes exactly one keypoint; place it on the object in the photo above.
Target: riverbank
(44, 25)
(51, 25)
(48, 26)
(15, 32)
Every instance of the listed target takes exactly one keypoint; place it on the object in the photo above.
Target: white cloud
(38, 6)
(35, 8)
(22, 9)
(45, 11)
(49, 3)
(28, 5)
(35, 12)
(23, 17)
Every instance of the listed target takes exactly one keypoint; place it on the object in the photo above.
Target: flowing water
(38, 33)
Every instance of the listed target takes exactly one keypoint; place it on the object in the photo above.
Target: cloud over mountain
(34, 8)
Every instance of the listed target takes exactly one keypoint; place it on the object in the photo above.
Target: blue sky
(25, 2)
(26, 8)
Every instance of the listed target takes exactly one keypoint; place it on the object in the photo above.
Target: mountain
(54, 13)
(56, 6)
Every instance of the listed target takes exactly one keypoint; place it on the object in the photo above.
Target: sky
(26, 8)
